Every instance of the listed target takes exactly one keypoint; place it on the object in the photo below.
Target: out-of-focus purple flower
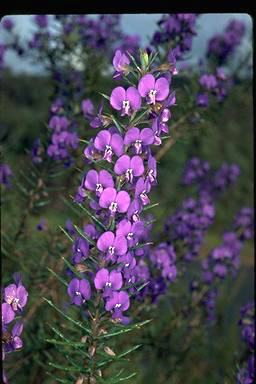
(36, 151)
(42, 225)
(202, 100)
(80, 250)
(7, 24)
(69, 226)
(41, 21)
(5, 175)
(125, 100)
(79, 291)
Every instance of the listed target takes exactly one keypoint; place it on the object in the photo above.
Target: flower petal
(85, 289)
(107, 197)
(137, 165)
(117, 144)
(146, 83)
(102, 276)
(73, 287)
(162, 88)
(123, 201)
(117, 97)
(120, 245)
(91, 180)
(102, 139)
(134, 98)
(105, 241)
(105, 178)
(147, 136)
(131, 136)
(122, 164)
(116, 279)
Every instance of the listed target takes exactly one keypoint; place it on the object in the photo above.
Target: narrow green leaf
(58, 277)
(120, 129)
(90, 241)
(125, 329)
(27, 179)
(78, 323)
(70, 266)
(130, 350)
(67, 234)
(150, 206)
(76, 211)
(42, 203)
(105, 96)
(142, 245)
(69, 343)
(64, 368)
(85, 141)
(93, 217)
(22, 189)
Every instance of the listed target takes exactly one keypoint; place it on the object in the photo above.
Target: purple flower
(95, 181)
(7, 24)
(153, 90)
(208, 81)
(41, 21)
(80, 250)
(119, 302)
(69, 226)
(128, 262)
(220, 270)
(202, 100)
(113, 245)
(59, 123)
(87, 107)
(16, 296)
(114, 201)
(151, 176)
(79, 291)
(129, 166)
(134, 210)
(16, 332)
(125, 100)
(109, 281)
(7, 314)
(5, 174)
(120, 62)
(141, 190)
(132, 232)
(138, 138)
(107, 143)
(91, 231)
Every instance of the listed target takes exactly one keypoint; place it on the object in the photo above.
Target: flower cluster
(210, 183)
(222, 46)
(246, 374)
(14, 300)
(118, 193)
(244, 223)
(63, 140)
(214, 85)
(177, 30)
(5, 175)
(222, 261)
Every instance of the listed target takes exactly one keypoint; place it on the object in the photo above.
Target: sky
(142, 24)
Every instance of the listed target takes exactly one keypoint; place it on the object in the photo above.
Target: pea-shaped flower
(16, 342)
(16, 296)
(95, 181)
(119, 302)
(79, 291)
(129, 166)
(132, 232)
(125, 100)
(114, 201)
(139, 138)
(120, 62)
(112, 245)
(109, 144)
(151, 176)
(153, 90)
(80, 250)
(141, 190)
(109, 281)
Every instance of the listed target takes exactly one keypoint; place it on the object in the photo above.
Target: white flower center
(111, 250)
(108, 284)
(78, 293)
(118, 305)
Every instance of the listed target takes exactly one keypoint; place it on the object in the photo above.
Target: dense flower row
(222, 46)
(14, 298)
(118, 194)
(177, 30)
(246, 374)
